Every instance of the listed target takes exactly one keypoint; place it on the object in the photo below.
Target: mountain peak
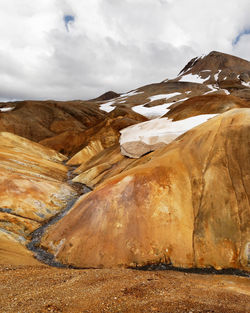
(217, 67)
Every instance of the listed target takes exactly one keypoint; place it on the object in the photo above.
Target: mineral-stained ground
(126, 181)
(45, 289)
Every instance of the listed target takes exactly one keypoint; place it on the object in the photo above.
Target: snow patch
(164, 96)
(155, 111)
(212, 88)
(162, 128)
(107, 107)
(217, 75)
(245, 84)
(226, 91)
(131, 93)
(6, 109)
(192, 78)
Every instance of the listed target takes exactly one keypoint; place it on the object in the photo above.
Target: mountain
(217, 67)
(185, 204)
(107, 96)
(167, 209)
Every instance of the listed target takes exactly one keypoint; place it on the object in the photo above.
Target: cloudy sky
(78, 49)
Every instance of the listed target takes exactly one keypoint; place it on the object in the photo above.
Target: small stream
(41, 254)
(202, 271)
(49, 259)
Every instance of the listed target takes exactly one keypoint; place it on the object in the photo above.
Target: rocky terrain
(40, 289)
(156, 178)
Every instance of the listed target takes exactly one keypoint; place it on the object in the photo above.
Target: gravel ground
(46, 289)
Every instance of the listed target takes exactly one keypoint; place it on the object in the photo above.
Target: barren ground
(45, 289)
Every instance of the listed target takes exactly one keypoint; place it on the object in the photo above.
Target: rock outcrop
(187, 205)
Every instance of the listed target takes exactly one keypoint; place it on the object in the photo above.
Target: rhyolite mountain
(186, 204)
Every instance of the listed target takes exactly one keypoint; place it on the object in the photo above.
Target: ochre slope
(32, 178)
(12, 252)
(100, 137)
(188, 206)
(33, 188)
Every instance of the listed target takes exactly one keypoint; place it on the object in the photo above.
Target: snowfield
(192, 79)
(164, 96)
(7, 109)
(161, 129)
(156, 111)
(107, 107)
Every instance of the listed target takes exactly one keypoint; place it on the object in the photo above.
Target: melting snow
(246, 84)
(164, 96)
(161, 128)
(131, 93)
(107, 106)
(155, 111)
(212, 89)
(217, 75)
(192, 78)
(7, 109)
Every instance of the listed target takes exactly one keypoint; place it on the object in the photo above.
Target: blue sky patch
(68, 19)
(242, 33)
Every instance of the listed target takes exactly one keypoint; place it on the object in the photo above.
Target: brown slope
(106, 132)
(107, 96)
(207, 104)
(142, 94)
(188, 206)
(37, 120)
(227, 66)
(217, 60)
(100, 137)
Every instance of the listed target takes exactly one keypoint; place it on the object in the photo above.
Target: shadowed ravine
(41, 254)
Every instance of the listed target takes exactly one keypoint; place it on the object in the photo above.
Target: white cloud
(112, 44)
